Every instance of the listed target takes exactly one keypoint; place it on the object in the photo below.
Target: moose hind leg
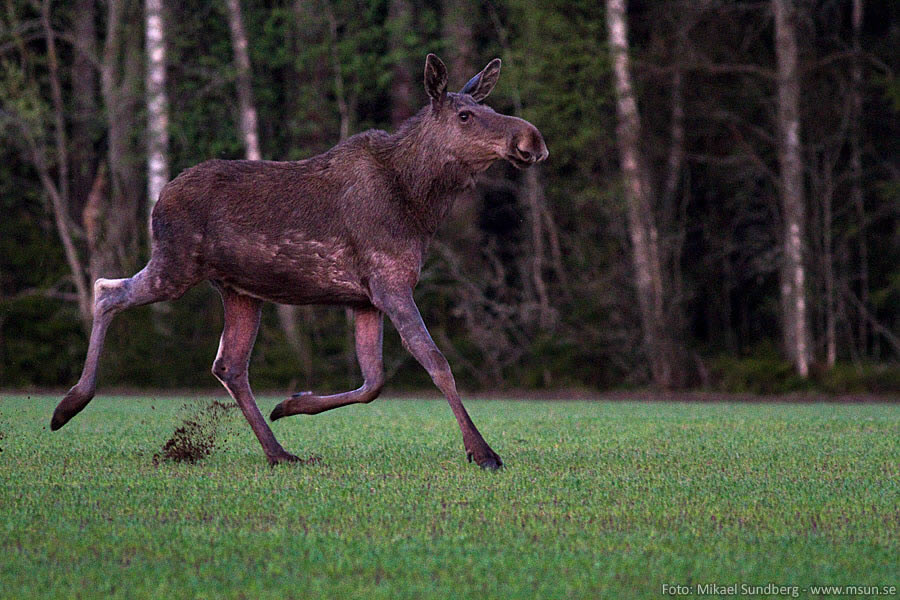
(112, 296)
(242, 315)
(369, 330)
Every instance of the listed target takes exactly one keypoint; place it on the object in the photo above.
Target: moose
(348, 227)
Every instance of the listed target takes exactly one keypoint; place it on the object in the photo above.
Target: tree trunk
(659, 342)
(339, 88)
(84, 97)
(534, 195)
(856, 191)
(828, 275)
(116, 238)
(676, 146)
(59, 191)
(59, 128)
(793, 278)
(157, 103)
(671, 208)
(249, 129)
(458, 16)
(64, 229)
(400, 20)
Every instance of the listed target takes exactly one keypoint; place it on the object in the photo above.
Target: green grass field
(597, 500)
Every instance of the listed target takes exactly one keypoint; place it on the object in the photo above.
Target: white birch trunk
(157, 103)
(641, 226)
(793, 280)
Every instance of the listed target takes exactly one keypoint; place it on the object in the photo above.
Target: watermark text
(774, 590)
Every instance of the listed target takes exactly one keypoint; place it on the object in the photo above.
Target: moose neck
(429, 176)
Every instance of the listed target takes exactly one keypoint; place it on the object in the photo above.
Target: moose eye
(464, 115)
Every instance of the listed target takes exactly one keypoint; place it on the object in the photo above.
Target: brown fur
(348, 227)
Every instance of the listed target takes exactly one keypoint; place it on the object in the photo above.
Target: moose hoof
(283, 457)
(286, 457)
(295, 405)
(58, 420)
(489, 460)
(277, 412)
(70, 406)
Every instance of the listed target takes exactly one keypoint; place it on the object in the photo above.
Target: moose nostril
(524, 154)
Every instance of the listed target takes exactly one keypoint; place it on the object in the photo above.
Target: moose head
(473, 132)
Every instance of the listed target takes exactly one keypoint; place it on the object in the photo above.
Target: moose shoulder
(348, 227)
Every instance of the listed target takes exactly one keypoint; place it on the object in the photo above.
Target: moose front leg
(369, 328)
(404, 314)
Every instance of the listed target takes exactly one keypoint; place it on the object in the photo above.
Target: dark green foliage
(759, 375)
(41, 339)
(767, 373)
(847, 378)
(147, 345)
(37, 349)
(559, 69)
(201, 70)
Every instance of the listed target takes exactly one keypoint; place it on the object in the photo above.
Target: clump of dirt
(196, 438)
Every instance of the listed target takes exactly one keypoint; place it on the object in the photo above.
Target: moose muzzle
(527, 146)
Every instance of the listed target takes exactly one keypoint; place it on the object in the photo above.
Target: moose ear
(481, 85)
(435, 80)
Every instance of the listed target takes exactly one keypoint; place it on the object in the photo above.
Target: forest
(719, 209)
